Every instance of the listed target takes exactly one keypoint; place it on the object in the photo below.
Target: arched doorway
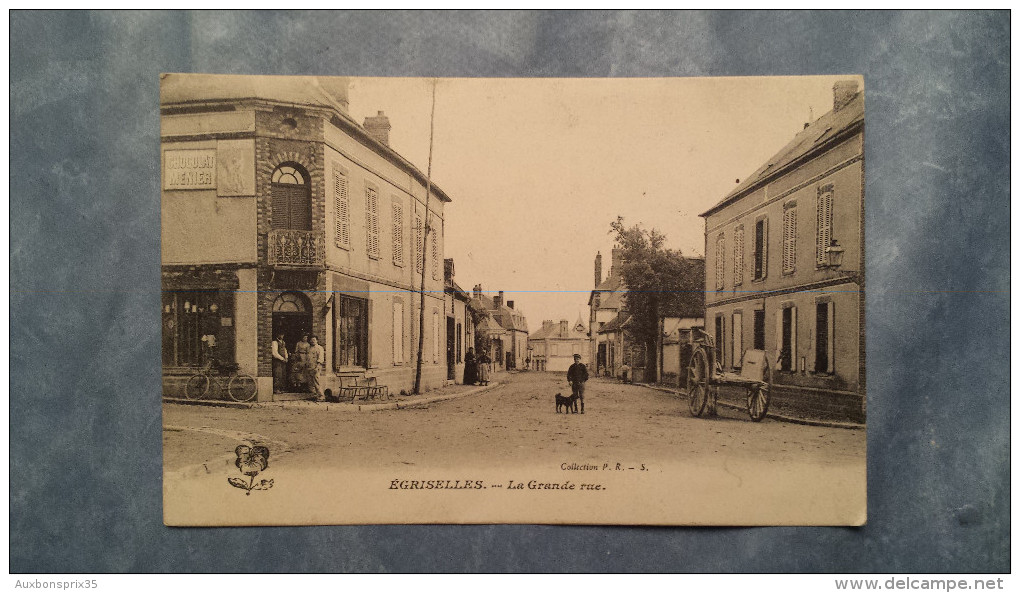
(292, 317)
(292, 199)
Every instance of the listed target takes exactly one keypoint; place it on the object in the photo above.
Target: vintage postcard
(575, 301)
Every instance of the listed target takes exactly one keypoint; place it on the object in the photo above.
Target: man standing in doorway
(316, 361)
(279, 364)
(577, 375)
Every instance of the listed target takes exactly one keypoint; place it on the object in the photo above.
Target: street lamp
(834, 260)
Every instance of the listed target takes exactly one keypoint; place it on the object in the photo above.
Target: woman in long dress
(470, 368)
(299, 362)
(483, 368)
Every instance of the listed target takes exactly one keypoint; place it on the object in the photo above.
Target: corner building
(770, 280)
(281, 214)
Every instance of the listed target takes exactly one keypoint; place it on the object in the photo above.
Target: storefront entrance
(292, 317)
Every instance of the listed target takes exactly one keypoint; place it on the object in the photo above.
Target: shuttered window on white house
(738, 256)
(737, 339)
(823, 232)
(398, 233)
(372, 221)
(790, 238)
(720, 261)
(342, 210)
(419, 230)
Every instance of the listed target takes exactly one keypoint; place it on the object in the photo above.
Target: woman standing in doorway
(299, 363)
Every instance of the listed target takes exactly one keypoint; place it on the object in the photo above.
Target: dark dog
(569, 402)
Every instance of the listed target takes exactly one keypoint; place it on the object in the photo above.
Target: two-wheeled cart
(704, 377)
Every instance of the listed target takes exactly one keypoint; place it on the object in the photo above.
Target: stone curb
(779, 417)
(334, 407)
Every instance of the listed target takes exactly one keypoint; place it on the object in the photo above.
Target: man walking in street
(577, 375)
(316, 361)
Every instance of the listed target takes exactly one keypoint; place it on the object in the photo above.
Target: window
(738, 255)
(786, 331)
(720, 251)
(419, 235)
(761, 255)
(398, 332)
(350, 331)
(189, 317)
(759, 329)
(737, 339)
(790, 238)
(825, 327)
(341, 210)
(398, 233)
(372, 221)
(291, 200)
(823, 229)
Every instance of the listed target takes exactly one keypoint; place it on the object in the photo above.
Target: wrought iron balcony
(299, 249)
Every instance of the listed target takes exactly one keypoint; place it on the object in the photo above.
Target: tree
(656, 278)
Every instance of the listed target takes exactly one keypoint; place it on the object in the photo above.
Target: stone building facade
(281, 214)
(554, 345)
(772, 280)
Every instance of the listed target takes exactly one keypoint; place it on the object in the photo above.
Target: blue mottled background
(84, 303)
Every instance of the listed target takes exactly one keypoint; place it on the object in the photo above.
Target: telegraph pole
(424, 246)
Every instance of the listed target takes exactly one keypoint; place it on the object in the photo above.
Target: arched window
(291, 302)
(292, 198)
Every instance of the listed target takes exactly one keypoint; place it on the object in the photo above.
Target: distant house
(510, 348)
(679, 316)
(785, 256)
(605, 304)
(554, 345)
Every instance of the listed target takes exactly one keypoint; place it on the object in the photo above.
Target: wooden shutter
(720, 261)
(789, 240)
(831, 345)
(738, 256)
(779, 336)
(398, 332)
(372, 221)
(434, 233)
(418, 238)
(398, 233)
(823, 232)
(794, 365)
(737, 339)
(342, 211)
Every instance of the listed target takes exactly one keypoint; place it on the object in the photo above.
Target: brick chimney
(448, 268)
(378, 127)
(563, 328)
(617, 261)
(547, 323)
(598, 268)
(842, 93)
(478, 291)
(497, 301)
(510, 304)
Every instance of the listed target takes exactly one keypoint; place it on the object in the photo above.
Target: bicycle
(241, 387)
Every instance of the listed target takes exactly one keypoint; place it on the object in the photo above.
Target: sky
(537, 169)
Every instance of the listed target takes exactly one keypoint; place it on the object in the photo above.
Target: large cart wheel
(197, 386)
(697, 382)
(758, 397)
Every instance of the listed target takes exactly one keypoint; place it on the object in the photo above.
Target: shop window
(193, 327)
(350, 332)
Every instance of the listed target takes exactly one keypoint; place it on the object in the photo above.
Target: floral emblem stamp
(250, 461)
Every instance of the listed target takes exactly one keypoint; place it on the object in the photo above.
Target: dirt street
(513, 424)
